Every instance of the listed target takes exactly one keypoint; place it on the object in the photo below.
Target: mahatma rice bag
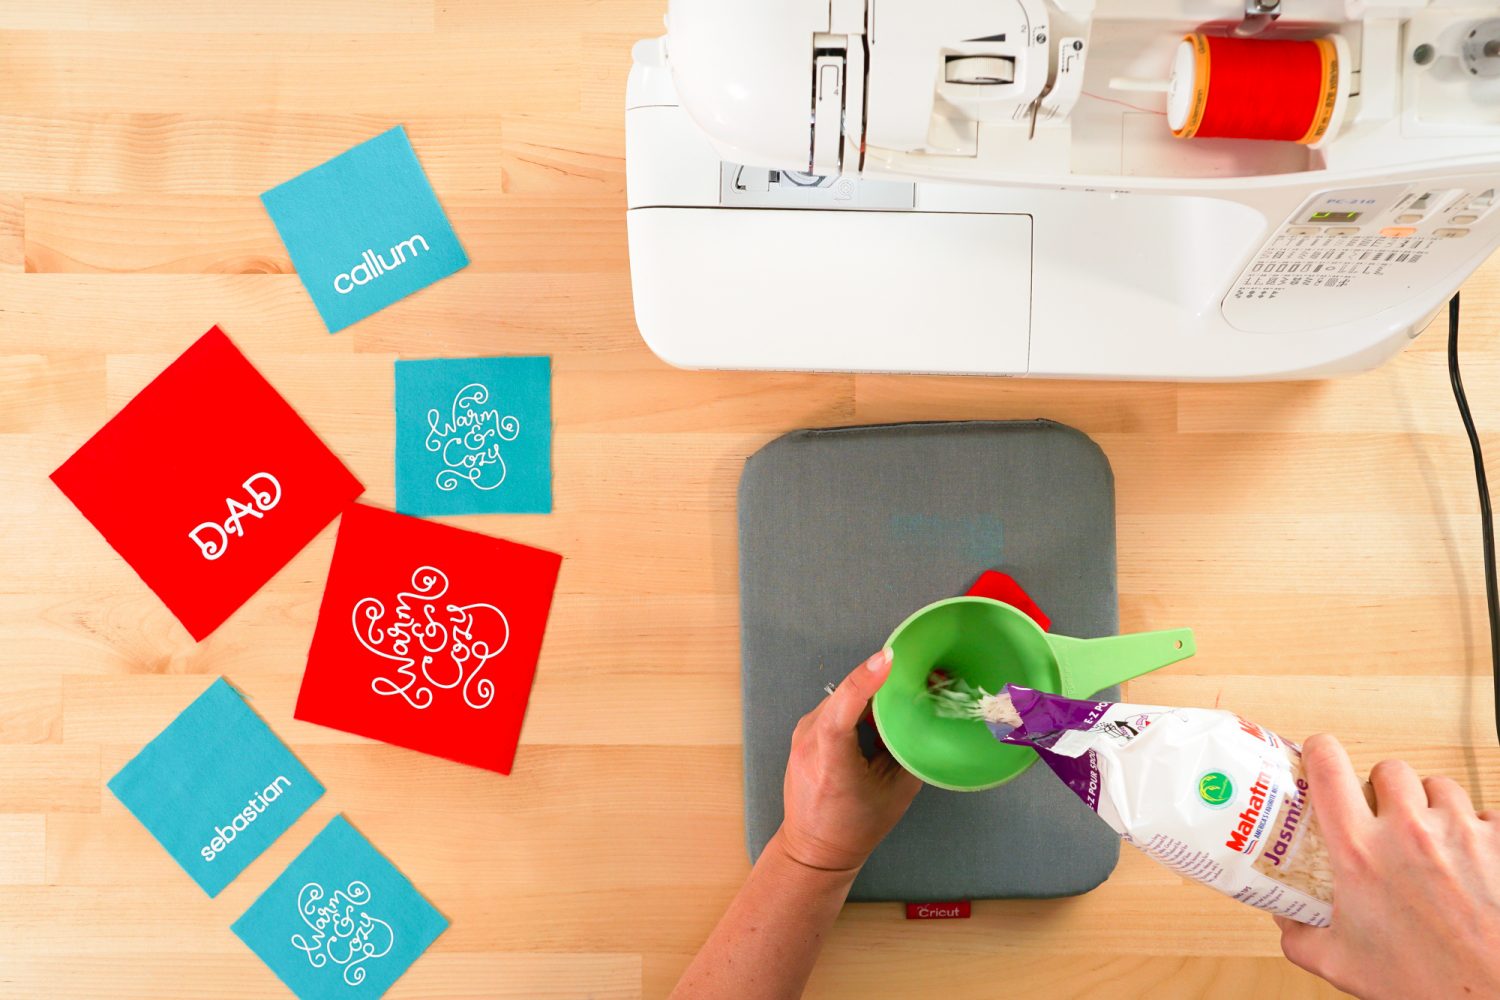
(1210, 795)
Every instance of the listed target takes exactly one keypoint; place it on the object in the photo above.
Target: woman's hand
(839, 804)
(1416, 884)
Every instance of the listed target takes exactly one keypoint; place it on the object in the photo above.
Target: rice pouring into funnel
(1214, 797)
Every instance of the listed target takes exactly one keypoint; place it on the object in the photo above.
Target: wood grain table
(1321, 537)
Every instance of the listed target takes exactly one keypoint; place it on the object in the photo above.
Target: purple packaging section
(1044, 719)
(1079, 773)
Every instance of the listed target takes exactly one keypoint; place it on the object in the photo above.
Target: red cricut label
(956, 910)
(207, 483)
(428, 637)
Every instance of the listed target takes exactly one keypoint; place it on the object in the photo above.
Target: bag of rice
(1210, 795)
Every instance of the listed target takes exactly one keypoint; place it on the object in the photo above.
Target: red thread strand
(1123, 104)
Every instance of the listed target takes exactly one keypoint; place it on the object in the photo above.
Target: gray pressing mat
(845, 532)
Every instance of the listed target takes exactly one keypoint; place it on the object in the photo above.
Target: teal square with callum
(365, 229)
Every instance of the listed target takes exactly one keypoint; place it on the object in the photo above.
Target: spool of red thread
(1249, 88)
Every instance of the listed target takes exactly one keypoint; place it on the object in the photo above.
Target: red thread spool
(1246, 88)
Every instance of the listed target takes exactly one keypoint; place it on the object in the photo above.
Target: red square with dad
(428, 637)
(207, 483)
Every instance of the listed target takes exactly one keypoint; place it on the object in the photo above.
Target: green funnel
(990, 644)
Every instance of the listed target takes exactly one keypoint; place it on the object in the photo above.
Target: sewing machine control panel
(1444, 213)
(1343, 254)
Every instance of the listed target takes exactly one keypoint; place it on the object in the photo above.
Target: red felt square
(428, 637)
(207, 483)
(1003, 587)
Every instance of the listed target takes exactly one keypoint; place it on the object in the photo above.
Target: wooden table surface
(1320, 537)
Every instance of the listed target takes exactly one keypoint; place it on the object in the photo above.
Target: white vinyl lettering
(224, 835)
(453, 645)
(468, 441)
(342, 932)
(212, 537)
(372, 265)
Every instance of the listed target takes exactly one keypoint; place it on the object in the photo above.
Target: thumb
(1306, 947)
(849, 700)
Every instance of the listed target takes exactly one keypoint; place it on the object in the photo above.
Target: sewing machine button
(1409, 217)
(1451, 233)
(1305, 231)
(1344, 231)
(1463, 220)
(1398, 232)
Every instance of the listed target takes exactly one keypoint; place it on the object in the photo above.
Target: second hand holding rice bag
(1212, 796)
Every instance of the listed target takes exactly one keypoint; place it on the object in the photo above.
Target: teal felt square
(216, 787)
(364, 229)
(474, 436)
(341, 921)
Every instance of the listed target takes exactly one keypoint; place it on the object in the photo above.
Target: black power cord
(1486, 520)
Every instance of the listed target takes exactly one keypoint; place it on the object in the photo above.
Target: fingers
(1335, 789)
(1398, 790)
(1445, 793)
(1306, 947)
(844, 707)
(889, 769)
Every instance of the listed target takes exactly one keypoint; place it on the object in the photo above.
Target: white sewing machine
(977, 186)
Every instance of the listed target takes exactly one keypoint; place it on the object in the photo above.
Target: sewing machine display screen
(1334, 216)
